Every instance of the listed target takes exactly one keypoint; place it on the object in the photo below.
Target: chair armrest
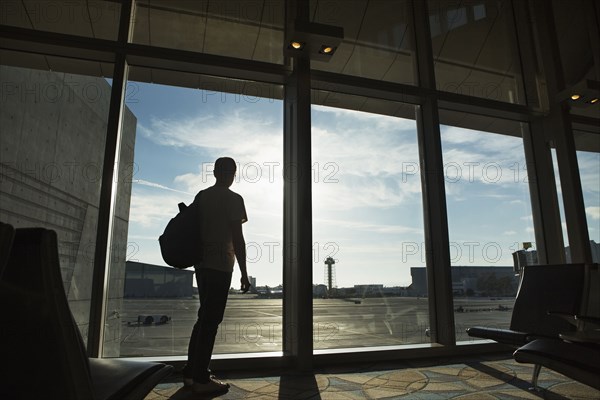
(570, 318)
(573, 319)
(504, 336)
(588, 319)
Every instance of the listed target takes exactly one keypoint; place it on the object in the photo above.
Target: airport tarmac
(253, 324)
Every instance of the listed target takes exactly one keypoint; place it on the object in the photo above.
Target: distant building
(320, 291)
(149, 280)
(485, 281)
(595, 252)
(368, 290)
(252, 280)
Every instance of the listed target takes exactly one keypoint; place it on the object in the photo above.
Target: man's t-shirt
(219, 206)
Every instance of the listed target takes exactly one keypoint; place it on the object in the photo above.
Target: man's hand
(245, 284)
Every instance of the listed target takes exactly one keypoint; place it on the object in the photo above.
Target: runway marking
(267, 314)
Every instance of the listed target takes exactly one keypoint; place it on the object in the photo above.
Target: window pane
(489, 216)
(378, 41)
(179, 133)
(52, 152)
(367, 225)
(475, 50)
(588, 158)
(561, 206)
(93, 18)
(252, 30)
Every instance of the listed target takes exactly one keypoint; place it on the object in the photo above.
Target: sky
(367, 200)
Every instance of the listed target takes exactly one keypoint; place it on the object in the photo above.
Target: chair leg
(534, 380)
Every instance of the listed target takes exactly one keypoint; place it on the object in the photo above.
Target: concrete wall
(53, 130)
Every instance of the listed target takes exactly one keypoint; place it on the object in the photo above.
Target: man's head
(225, 170)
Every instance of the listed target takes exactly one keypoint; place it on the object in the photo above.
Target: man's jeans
(213, 288)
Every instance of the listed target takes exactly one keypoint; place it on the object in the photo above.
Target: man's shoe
(212, 386)
(188, 382)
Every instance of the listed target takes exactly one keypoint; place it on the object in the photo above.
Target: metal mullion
(437, 246)
(102, 50)
(482, 106)
(108, 193)
(297, 206)
(208, 64)
(588, 124)
(540, 171)
(365, 87)
(57, 44)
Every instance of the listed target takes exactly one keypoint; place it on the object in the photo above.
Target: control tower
(330, 274)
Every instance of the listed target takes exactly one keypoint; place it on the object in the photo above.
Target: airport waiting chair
(578, 361)
(43, 354)
(543, 290)
(577, 355)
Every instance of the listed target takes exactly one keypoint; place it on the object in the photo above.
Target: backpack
(181, 241)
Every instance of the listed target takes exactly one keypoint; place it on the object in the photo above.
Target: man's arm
(239, 247)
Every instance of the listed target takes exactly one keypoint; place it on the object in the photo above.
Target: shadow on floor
(300, 386)
(186, 394)
(513, 380)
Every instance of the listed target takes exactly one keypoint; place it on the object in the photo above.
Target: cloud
(153, 209)
(370, 227)
(589, 170)
(158, 186)
(363, 160)
(509, 233)
(244, 135)
(380, 122)
(481, 157)
(352, 166)
(593, 212)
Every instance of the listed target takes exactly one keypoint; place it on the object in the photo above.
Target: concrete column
(557, 124)
(540, 170)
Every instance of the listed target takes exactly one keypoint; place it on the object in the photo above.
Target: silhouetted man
(222, 213)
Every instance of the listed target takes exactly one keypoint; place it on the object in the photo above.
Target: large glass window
(378, 38)
(368, 267)
(475, 49)
(54, 128)
(489, 216)
(251, 30)
(179, 133)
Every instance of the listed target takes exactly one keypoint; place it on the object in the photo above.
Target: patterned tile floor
(473, 379)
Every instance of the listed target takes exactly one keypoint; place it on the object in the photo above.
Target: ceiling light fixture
(583, 94)
(327, 50)
(317, 41)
